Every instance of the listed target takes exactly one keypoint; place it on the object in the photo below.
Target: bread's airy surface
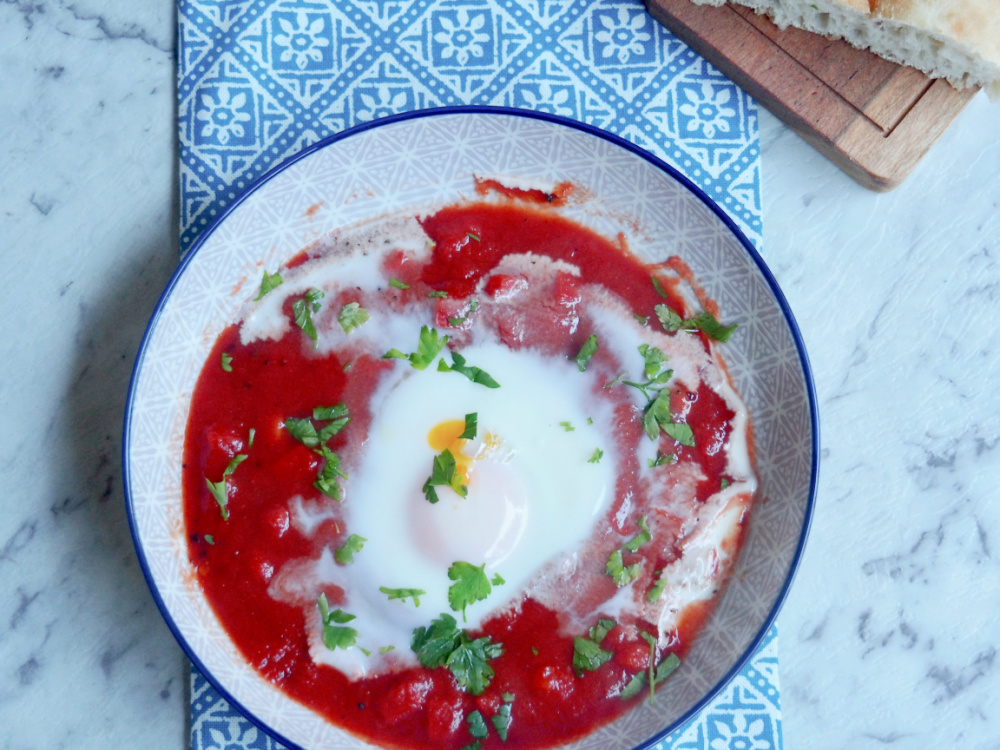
(954, 39)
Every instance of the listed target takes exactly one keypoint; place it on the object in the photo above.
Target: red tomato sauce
(235, 557)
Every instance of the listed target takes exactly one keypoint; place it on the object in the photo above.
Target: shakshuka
(470, 479)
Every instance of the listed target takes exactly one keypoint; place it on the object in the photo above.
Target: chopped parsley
(497, 580)
(658, 286)
(403, 594)
(501, 719)
(437, 293)
(327, 482)
(596, 456)
(473, 236)
(588, 655)
(704, 321)
(270, 282)
(477, 725)
(471, 425)
(567, 426)
(661, 459)
(475, 374)
(443, 474)
(443, 644)
(335, 634)
(658, 417)
(352, 315)
(303, 308)
(656, 590)
(303, 430)
(587, 351)
(428, 347)
(227, 360)
(601, 629)
(641, 538)
(345, 554)
(723, 483)
(620, 573)
(398, 284)
(471, 585)
(219, 489)
(209, 539)
(654, 675)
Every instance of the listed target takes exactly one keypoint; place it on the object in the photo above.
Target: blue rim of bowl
(507, 112)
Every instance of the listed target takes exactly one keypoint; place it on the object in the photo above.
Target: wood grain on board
(872, 118)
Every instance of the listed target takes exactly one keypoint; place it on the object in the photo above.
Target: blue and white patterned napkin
(259, 80)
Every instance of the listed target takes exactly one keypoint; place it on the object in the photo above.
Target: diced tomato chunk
(501, 286)
(444, 717)
(557, 681)
(567, 289)
(451, 312)
(404, 699)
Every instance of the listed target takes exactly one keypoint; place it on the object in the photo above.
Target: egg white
(535, 496)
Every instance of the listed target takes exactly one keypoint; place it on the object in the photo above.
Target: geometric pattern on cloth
(259, 80)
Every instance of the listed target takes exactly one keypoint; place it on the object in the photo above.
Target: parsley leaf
(670, 320)
(303, 430)
(703, 321)
(473, 236)
(723, 483)
(601, 629)
(270, 282)
(403, 594)
(641, 538)
(227, 359)
(443, 644)
(680, 432)
(653, 360)
(326, 482)
(661, 459)
(335, 634)
(567, 426)
(475, 374)
(303, 309)
(501, 719)
(477, 725)
(428, 347)
(339, 415)
(706, 322)
(469, 662)
(586, 352)
(345, 554)
(471, 425)
(434, 644)
(596, 456)
(588, 655)
(443, 474)
(656, 590)
(218, 490)
(438, 293)
(621, 574)
(497, 580)
(352, 315)
(471, 585)
(398, 284)
(633, 686)
(658, 286)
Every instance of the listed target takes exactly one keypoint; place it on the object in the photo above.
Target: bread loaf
(954, 39)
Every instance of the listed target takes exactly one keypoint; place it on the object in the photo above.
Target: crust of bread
(958, 40)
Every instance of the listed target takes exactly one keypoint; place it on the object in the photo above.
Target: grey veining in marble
(88, 242)
(890, 635)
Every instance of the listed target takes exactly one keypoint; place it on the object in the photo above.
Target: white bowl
(425, 159)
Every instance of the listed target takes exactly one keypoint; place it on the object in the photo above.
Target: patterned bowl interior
(421, 161)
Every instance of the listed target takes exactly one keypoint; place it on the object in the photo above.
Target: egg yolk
(448, 436)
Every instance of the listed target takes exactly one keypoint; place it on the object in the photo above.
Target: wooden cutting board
(872, 118)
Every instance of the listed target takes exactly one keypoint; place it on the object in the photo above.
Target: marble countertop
(889, 636)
